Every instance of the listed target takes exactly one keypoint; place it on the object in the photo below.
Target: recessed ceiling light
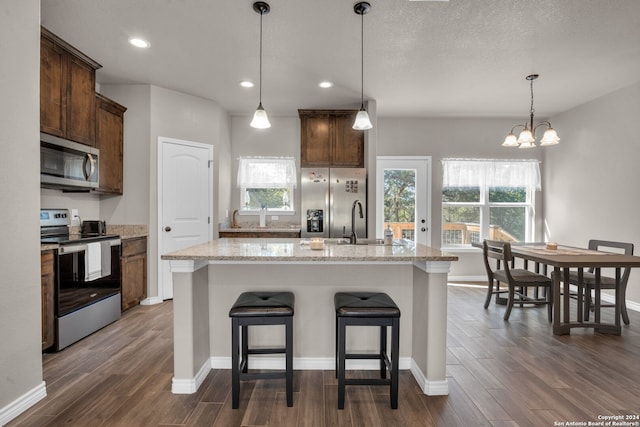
(247, 83)
(138, 42)
(325, 84)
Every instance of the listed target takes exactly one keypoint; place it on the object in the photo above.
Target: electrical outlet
(274, 217)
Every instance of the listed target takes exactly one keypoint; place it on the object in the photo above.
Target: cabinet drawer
(134, 246)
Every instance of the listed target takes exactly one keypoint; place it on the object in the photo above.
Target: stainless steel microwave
(67, 165)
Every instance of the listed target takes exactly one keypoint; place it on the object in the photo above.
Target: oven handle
(79, 247)
(71, 249)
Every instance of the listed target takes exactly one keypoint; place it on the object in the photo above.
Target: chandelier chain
(531, 110)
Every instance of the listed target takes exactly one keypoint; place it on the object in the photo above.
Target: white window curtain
(266, 172)
(492, 173)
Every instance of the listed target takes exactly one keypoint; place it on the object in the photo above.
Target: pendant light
(527, 138)
(362, 121)
(260, 119)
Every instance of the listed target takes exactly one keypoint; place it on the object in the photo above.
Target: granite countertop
(297, 250)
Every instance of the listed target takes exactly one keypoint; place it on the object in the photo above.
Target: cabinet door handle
(167, 229)
(92, 166)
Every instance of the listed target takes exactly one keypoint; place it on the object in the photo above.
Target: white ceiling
(422, 58)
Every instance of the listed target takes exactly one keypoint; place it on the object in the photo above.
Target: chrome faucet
(353, 239)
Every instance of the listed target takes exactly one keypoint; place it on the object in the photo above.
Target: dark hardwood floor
(500, 373)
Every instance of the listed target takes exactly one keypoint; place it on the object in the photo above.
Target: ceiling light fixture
(247, 83)
(325, 84)
(260, 119)
(138, 42)
(527, 137)
(362, 121)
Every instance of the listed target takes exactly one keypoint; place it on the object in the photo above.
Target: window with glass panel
(488, 199)
(267, 182)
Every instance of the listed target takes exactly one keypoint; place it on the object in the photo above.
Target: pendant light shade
(362, 121)
(260, 119)
(527, 138)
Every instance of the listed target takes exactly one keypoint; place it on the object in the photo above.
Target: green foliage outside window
(270, 198)
(399, 195)
(511, 219)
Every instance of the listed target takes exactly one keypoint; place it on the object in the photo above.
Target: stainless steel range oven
(88, 278)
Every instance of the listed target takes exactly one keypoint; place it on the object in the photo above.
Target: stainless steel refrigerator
(329, 198)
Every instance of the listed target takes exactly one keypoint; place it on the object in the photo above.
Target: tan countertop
(296, 250)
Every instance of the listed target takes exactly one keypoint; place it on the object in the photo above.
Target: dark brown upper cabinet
(328, 140)
(109, 140)
(67, 90)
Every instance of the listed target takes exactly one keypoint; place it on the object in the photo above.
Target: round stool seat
(263, 304)
(365, 304)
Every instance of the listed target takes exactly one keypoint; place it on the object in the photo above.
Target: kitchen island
(209, 277)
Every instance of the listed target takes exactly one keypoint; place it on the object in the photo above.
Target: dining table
(564, 258)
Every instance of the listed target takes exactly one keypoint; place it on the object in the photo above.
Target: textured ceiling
(457, 58)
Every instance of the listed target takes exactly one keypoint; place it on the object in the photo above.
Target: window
(267, 182)
(488, 199)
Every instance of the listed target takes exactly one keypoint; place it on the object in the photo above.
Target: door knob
(167, 228)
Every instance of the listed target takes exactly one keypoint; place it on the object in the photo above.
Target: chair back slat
(606, 246)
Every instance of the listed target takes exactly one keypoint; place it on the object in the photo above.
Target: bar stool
(260, 308)
(368, 309)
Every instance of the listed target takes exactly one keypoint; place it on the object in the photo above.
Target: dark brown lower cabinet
(47, 280)
(134, 271)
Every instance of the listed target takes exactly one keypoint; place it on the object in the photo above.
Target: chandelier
(527, 136)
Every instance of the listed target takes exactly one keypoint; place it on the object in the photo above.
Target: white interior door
(185, 201)
(403, 197)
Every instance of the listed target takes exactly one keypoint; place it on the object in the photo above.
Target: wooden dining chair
(606, 282)
(518, 280)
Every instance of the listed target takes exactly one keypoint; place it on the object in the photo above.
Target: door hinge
(208, 220)
(209, 163)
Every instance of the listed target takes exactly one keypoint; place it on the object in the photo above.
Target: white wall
(446, 138)
(591, 178)
(20, 333)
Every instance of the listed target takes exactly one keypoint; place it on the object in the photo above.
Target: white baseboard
(191, 385)
(24, 402)
(431, 388)
(482, 278)
(151, 301)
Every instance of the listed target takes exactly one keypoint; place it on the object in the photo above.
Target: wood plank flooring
(500, 373)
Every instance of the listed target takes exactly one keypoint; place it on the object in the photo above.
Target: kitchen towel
(106, 258)
(93, 262)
